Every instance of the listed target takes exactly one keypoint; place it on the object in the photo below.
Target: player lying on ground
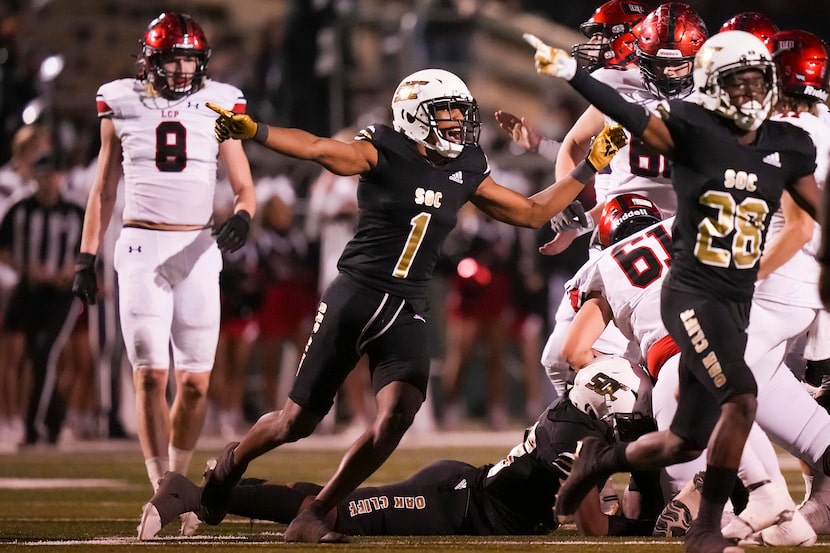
(610, 399)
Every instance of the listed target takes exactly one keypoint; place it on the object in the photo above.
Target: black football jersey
(726, 193)
(407, 206)
(522, 487)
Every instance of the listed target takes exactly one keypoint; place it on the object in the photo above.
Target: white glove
(571, 218)
(550, 61)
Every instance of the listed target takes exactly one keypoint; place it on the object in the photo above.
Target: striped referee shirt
(40, 235)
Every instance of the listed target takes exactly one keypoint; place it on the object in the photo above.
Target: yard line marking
(56, 483)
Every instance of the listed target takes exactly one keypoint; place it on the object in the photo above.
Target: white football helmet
(726, 53)
(420, 96)
(612, 390)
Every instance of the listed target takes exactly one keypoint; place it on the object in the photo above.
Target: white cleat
(817, 514)
(768, 505)
(795, 532)
(150, 524)
(190, 523)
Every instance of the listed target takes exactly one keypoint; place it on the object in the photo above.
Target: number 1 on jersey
(419, 225)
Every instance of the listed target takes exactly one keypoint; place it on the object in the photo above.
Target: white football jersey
(636, 168)
(169, 149)
(796, 281)
(629, 276)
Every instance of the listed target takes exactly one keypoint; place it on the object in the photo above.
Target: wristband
(583, 172)
(549, 149)
(261, 135)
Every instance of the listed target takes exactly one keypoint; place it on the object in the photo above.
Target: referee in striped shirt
(39, 238)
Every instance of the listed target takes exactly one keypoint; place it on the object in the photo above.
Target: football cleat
(582, 478)
(680, 511)
(221, 477)
(817, 514)
(176, 497)
(707, 540)
(795, 532)
(190, 523)
(768, 505)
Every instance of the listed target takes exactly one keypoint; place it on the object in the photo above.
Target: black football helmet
(173, 34)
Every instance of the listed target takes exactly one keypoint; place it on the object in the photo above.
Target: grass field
(89, 500)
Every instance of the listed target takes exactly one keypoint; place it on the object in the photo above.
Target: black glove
(232, 234)
(85, 283)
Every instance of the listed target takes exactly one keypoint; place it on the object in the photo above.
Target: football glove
(605, 146)
(85, 283)
(239, 126)
(572, 217)
(550, 61)
(233, 233)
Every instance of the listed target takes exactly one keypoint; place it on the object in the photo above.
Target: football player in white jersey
(787, 288)
(668, 39)
(623, 286)
(167, 257)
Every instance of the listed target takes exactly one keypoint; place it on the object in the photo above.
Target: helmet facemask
(599, 50)
(183, 83)
(661, 85)
(449, 139)
(750, 114)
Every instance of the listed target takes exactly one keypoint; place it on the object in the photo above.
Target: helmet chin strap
(448, 153)
(748, 115)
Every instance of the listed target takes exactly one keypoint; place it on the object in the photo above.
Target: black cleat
(221, 477)
(308, 527)
(707, 540)
(176, 496)
(582, 478)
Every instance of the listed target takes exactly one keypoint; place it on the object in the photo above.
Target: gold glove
(550, 61)
(605, 146)
(232, 125)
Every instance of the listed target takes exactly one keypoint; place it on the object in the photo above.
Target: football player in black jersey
(413, 179)
(729, 168)
(610, 399)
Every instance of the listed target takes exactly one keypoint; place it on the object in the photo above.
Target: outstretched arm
(555, 62)
(509, 206)
(342, 158)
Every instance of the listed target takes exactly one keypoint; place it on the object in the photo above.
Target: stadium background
(342, 59)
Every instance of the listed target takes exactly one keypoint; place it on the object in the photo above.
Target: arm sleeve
(631, 116)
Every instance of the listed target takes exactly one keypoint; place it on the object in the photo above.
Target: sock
(612, 459)
(718, 483)
(179, 459)
(808, 485)
(156, 467)
(257, 499)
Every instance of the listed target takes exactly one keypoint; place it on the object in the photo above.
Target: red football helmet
(802, 62)
(624, 215)
(753, 23)
(173, 34)
(619, 23)
(670, 37)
